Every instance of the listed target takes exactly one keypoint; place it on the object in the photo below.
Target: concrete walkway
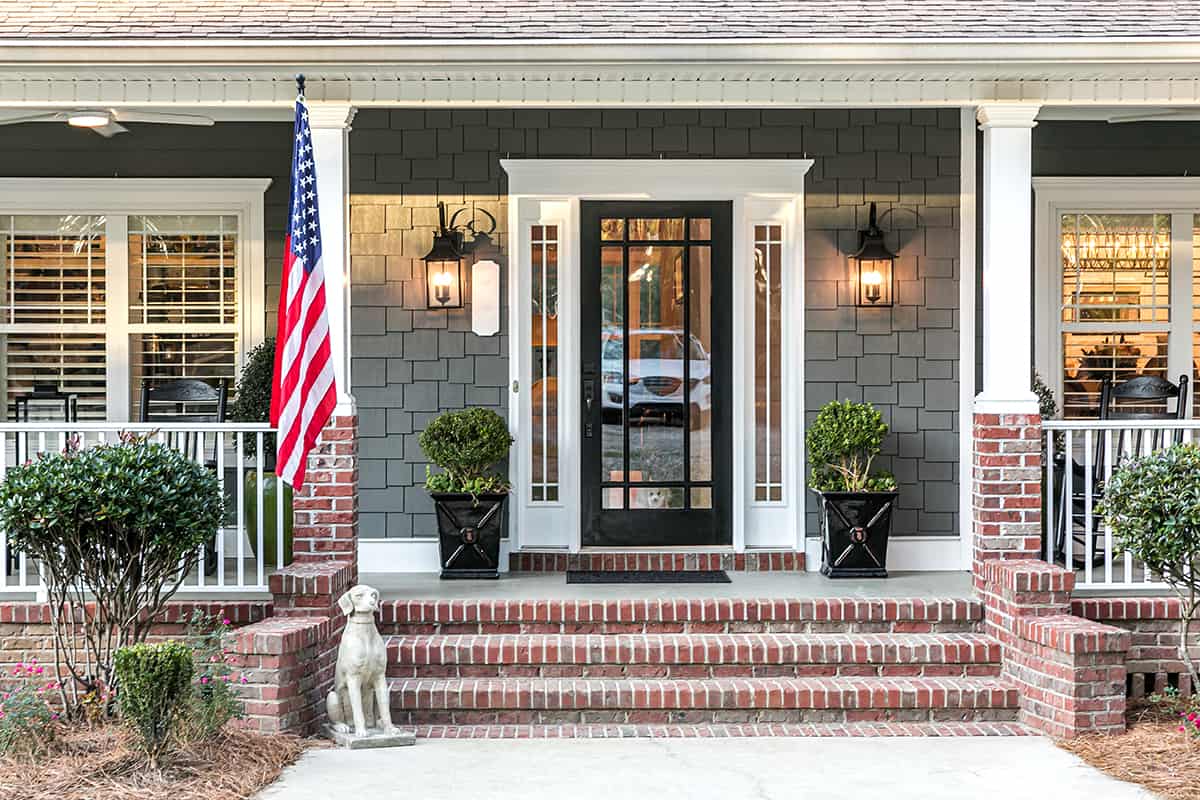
(729, 769)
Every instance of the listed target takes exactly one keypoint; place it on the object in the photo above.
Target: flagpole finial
(300, 85)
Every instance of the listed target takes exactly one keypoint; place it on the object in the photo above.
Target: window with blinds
(183, 275)
(1116, 302)
(52, 326)
(61, 330)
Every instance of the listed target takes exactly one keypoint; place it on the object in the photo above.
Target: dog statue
(360, 691)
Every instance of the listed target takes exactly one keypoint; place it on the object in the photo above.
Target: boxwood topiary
(1152, 505)
(114, 530)
(842, 442)
(466, 445)
(156, 684)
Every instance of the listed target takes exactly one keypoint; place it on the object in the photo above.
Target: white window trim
(119, 198)
(549, 191)
(1053, 197)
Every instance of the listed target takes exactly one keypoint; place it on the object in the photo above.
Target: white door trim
(549, 191)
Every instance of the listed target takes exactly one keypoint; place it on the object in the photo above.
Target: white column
(330, 123)
(1007, 259)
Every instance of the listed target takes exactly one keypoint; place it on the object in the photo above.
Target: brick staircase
(713, 667)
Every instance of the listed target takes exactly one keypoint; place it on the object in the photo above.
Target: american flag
(303, 394)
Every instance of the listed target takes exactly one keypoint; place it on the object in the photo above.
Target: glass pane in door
(612, 383)
(656, 363)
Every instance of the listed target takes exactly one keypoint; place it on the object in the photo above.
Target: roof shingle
(418, 20)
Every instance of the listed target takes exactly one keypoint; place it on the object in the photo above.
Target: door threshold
(691, 548)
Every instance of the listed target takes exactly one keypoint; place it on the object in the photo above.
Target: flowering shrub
(114, 530)
(27, 721)
(1152, 505)
(1171, 703)
(214, 701)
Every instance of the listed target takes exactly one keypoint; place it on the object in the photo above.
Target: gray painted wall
(410, 364)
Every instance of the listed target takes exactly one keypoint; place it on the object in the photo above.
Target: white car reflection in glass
(656, 392)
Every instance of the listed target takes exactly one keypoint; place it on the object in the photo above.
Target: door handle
(589, 397)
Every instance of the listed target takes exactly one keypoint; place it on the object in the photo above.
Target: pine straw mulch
(100, 764)
(1152, 752)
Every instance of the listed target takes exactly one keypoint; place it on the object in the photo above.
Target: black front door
(656, 363)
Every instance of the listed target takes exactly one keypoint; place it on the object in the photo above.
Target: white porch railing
(232, 561)
(1080, 455)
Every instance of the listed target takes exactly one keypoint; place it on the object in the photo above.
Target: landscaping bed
(103, 763)
(1153, 752)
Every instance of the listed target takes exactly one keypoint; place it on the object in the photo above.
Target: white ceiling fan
(107, 121)
(1156, 115)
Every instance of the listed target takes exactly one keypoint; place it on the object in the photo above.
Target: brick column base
(284, 663)
(288, 659)
(326, 509)
(1007, 491)
(1070, 671)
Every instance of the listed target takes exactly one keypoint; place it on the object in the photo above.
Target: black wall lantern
(443, 262)
(875, 262)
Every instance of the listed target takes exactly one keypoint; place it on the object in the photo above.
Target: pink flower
(204, 680)
(226, 621)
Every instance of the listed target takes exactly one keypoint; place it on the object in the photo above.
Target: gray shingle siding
(903, 359)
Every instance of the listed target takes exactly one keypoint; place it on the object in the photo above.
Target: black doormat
(647, 576)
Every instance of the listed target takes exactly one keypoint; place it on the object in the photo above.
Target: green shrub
(252, 397)
(1152, 505)
(155, 681)
(466, 445)
(1047, 405)
(114, 529)
(27, 722)
(213, 701)
(842, 442)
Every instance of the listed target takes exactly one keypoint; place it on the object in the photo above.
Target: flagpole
(300, 87)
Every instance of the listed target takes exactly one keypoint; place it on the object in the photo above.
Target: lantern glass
(443, 280)
(874, 282)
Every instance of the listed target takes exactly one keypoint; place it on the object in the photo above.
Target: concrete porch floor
(553, 586)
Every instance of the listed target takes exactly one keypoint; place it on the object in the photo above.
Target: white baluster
(1088, 479)
(241, 509)
(219, 439)
(1069, 503)
(258, 547)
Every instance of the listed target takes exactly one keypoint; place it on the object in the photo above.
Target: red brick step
(658, 615)
(854, 729)
(693, 655)
(469, 701)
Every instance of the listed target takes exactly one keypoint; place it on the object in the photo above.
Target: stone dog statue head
(361, 601)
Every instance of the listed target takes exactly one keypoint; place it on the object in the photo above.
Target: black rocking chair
(188, 400)
(1146, 397)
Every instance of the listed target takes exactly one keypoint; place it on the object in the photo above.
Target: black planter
(469, 532)
(854, 533)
